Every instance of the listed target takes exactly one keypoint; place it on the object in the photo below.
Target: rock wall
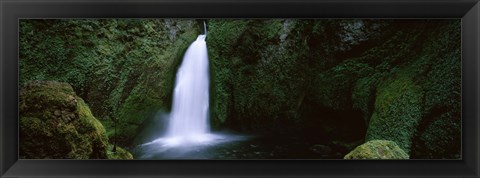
(341, 81)
(123, 68)
(334, 82)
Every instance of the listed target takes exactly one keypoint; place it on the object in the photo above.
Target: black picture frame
(12, 10)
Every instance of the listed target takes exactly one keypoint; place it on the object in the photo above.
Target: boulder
(120, 153)
(377, 149)
(57, 124)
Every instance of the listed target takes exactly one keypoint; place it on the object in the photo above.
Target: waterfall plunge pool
(232, 146)
(187, 133)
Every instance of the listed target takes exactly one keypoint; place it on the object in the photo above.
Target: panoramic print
(240, 89)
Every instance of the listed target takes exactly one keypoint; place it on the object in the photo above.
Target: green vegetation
(377, 149)
(272, 78)
(56, 123)
(333, 82)
(258, 73)
(124, 69)
(410, 96)
(119, 154)
(397, 112)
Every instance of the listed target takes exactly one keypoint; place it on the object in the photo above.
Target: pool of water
(229, 146)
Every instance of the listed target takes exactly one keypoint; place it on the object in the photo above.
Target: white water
(188, 125)
(189, 116)
(188, 122)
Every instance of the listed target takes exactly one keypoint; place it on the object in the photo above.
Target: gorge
(277, 89)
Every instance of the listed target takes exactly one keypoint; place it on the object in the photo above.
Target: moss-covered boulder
(56, 123)
(377, 149)
(120, 153)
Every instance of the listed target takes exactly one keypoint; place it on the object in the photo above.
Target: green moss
(335, 87)
(272, 76)
(122, 68)
(363, 95)
(439, 134)
(93, 129)
(152, 93)
(439, 139)
(55, 129)
(398, 110)
(255, 75)
(119, 154)
(377, 149)
(222, 36)
(412, 108)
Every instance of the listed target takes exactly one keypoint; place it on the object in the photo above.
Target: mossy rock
(123, 68)
(335, 87)
(120, 153)
(398, 110)
(419, 106)
(377, 149)
(55, 123)
(266, 75)
(439, 133)
(440, 139)
(363, 95)
(255, 76)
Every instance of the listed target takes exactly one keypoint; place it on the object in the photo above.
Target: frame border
(12, 10)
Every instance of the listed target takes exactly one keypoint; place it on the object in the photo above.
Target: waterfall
(189, 116)
(188, 121)
(204, 28)
(188, 125)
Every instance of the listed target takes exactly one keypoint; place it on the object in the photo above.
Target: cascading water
(188, 122)
(188, 125)
(190, 99)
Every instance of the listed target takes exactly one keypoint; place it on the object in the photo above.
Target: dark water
(233, 145)
(242, 147)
